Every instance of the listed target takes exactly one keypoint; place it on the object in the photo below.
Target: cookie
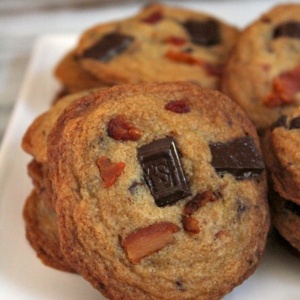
(39, 213)
(281, 150)
(41, 232)
(286, 219)
(160, 43)
(263, 71)
(147, 207)
(72, 77)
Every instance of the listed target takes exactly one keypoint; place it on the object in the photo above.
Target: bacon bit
(175, 40)
(120, 129)
(153, 18)
(285, 87)
(148, 240)
(190, 224)
(178, 106)
(109, 171)
(188, 59)
(199, 201)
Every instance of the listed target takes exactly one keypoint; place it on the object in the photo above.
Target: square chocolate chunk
(239, 157)
(163, 171)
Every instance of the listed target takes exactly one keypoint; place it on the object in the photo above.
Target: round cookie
(281, 146)
(286, 219)
(147, 207)
(72, 77)
(263, 71)
(160, 43)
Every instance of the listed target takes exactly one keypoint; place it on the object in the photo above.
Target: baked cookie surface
(281, 150)
(160, 43)
(146, 207)
(263, 71)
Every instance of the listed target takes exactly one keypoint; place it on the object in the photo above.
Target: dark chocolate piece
(289, 29)
(292, 206)
(281, 122)
(239, 157)
(295, 123)
(163, 171)
(205, 33)
(108, 47)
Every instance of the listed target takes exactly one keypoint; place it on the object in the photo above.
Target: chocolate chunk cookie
(263, 71)
(160, 43)
(281, 147)
(146, 209)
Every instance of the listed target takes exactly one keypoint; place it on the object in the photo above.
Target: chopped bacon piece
(120, 129)
(186, 58)
(178, 106)
(175, 40)
(285, 87)
(153, 18)
(198, 201)
(148, 240)
(190, 224)
(109, 171)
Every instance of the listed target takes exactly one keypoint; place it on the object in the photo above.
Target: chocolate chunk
(281, 122)
(108, 47)
(293, 207)
(206, 33)
(295, 123)
(239, 157)
(163, 171)
(289, 29)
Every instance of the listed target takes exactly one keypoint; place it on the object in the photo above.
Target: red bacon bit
(148, 240)
(178, 106)
(188, 59)
(109, 171)
(122, 130)
(153, 18)
(285, 87)
(190, 224)
(175, 40)
(198, 201)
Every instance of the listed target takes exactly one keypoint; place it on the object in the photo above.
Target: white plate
(22, 275)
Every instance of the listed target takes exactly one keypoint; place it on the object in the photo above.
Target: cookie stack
(150, 183)
(263, 77)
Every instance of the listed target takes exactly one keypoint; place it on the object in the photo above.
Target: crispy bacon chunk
(148, 240)
(187, 58)
(154, 18)
(178, 106)
(285, 88)
(109, 171)
(191, 224)
(122, 130)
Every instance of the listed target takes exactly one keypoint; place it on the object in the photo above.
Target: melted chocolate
(163, 171)
(281, 122)
(108, 47)
(295, 123)
(289, 29)
(206, 33)
(292, 206)
(239, 157)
